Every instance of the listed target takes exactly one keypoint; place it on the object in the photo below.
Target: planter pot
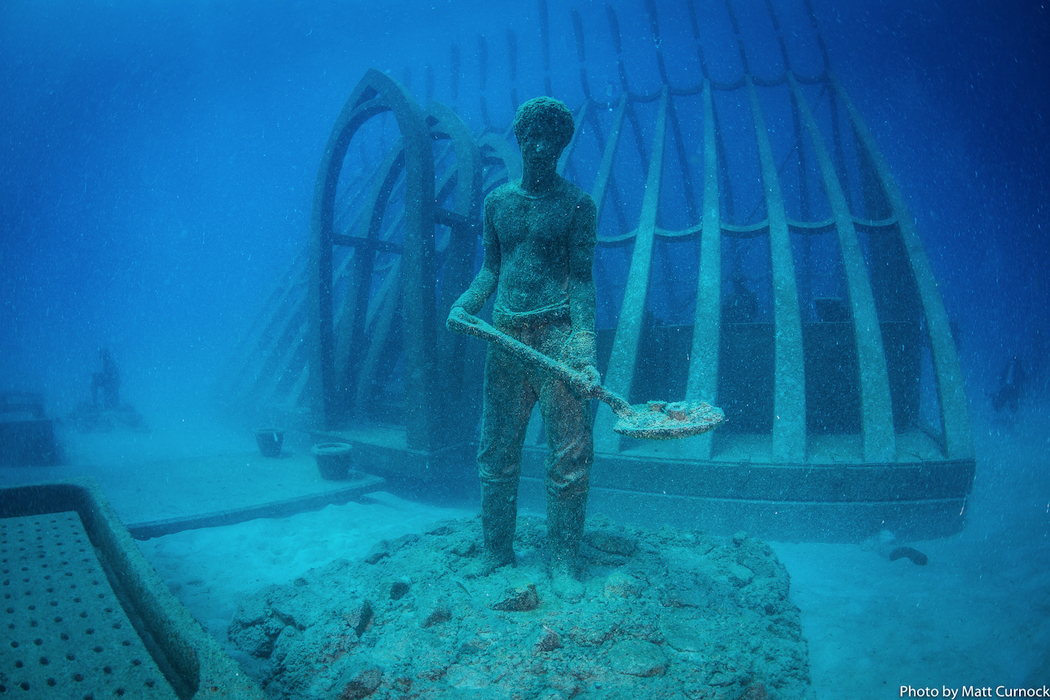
(269, 441)
(333, 460)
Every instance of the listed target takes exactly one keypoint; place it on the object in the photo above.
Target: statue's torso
(534, 234)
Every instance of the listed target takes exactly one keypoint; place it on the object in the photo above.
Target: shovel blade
(659, 420)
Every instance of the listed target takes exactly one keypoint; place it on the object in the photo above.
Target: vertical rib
(955, 413)
(624, 359)
(707, 324)
(789, 398)
(876, 408)
(601, 183)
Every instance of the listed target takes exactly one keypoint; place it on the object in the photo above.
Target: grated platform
(65, 634)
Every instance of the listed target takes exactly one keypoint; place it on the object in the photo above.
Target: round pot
(333, 460)
(269, 441)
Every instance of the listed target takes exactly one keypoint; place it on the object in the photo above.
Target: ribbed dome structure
(754, 251)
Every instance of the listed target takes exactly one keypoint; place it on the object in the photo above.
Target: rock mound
(667, 614)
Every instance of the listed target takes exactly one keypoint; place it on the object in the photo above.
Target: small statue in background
(1013, 381)
(105, 385)
(105, 412)
(539, 237)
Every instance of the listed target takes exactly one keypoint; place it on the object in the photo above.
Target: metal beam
(601, 182)
(707, 324)
(624, 360)
(789, 392)
(876, 408)
(955, 411)
(376, 93)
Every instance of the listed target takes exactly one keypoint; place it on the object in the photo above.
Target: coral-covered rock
(670, 614)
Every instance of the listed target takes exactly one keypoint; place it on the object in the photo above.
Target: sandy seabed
(977, 616)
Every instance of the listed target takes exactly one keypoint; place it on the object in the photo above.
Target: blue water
(157, 159)
(158, 163)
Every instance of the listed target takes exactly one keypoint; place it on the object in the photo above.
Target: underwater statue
(1012, 383)
(105, 384)
(539, 238)
(105, 411)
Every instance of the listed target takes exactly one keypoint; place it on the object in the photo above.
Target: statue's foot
(487, 563)
(566, 583)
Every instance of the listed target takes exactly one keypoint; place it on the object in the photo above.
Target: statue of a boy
(539, 239)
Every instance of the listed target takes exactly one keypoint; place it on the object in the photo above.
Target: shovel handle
(471, 325)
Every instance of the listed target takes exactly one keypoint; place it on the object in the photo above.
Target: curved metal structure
(377, 93)
(754, 251)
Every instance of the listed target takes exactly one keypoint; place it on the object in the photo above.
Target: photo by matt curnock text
(973, 691)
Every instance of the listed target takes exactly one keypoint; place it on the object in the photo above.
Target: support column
(955, 411)
(620, 373)
(876, 407)
(789, 392)
(707, 323)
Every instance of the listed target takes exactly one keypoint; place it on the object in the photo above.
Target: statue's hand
(590, 380)
(581, 354)
(581, 351)
(460, 314)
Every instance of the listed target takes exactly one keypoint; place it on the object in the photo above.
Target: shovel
(655, 420)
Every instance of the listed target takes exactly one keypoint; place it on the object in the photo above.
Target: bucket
(333, 460)
(269, 441)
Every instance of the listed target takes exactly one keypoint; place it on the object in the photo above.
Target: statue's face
(539, 149)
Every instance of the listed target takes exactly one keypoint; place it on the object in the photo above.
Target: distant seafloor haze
(157, 159)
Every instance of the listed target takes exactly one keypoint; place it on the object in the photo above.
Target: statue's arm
(582, 237)
(485, 281)
(583, 234)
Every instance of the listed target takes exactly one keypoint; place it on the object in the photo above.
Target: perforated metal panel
(65, 634)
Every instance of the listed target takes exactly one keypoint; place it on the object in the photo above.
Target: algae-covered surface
(666, 614)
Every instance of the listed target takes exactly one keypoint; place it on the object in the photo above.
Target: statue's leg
(508, 401)
(570, 446)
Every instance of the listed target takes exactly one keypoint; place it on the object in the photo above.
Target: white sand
(977, 615)
(211, 569)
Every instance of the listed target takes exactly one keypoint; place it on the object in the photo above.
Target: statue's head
(547, 116)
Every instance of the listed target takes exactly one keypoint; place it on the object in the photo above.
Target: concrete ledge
(277, 509)
(384, 449)
(829, 483)
(784, 521)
